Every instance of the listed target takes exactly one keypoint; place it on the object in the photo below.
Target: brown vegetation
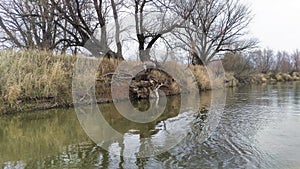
(39, 80)
(261, 66)
(34, 77)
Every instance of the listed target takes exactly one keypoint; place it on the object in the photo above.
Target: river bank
(33, 80)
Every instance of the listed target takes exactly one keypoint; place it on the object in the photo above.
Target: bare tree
(153, 19)
(283, 62)
(84, 18)
(296, 60)
(239, 63)
(216, 26)
(263, 60)
(28, 24)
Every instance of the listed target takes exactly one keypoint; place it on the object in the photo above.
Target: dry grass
(202, 78)
(31, 78)
(32, 75)
(38, 79)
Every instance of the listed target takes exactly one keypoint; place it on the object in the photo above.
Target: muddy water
(259, 128)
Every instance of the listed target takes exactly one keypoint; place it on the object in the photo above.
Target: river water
(259, 128)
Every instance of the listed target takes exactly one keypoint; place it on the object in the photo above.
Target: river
(259, 128)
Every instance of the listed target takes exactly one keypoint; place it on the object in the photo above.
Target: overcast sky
(276, 23)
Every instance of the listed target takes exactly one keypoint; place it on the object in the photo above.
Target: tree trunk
(196, 60)
(114, 55)
(145, 55)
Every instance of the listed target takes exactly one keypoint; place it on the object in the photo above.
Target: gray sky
(276, 23)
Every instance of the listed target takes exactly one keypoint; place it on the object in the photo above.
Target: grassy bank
(32, 80)
(39, 80)
(260, 78)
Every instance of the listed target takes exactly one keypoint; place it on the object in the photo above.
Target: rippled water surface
(260, 128)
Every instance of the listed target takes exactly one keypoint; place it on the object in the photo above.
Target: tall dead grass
(38, 76)
(32, 75)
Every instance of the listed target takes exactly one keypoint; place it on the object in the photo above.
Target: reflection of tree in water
(200, 118)
(145, 130)
(90, 155)
(84, 155)
(197, 125)
(141, 105)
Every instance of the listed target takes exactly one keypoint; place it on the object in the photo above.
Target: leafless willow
(216, 26)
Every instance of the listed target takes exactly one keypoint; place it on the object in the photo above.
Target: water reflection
(26, 136)
(259, 129)
(139, 139)
(256, 131)
(54, 138)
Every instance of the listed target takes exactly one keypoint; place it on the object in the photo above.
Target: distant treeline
(262, 61)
